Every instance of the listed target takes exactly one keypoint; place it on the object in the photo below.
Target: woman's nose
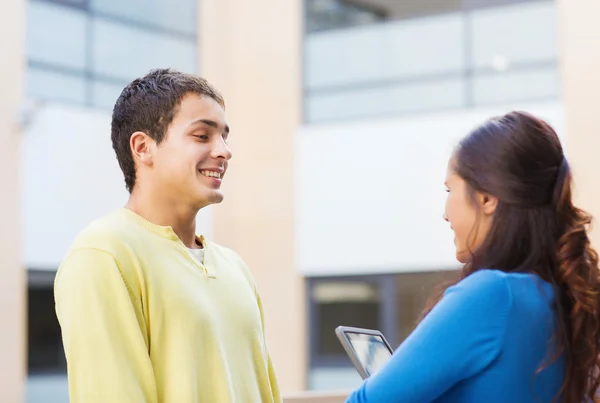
(445, 217)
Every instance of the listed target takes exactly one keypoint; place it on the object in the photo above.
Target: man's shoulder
(109, 233)
(102, 248)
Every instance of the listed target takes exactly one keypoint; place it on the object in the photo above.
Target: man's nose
(221, 150)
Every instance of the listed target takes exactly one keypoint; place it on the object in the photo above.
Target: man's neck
(166, 212)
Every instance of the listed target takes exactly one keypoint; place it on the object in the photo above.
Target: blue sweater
(483, 342)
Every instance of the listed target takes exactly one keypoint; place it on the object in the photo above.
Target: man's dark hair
(148, 104)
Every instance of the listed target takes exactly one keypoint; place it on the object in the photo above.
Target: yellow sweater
(143, 321)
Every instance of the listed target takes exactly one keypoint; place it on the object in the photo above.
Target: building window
(357, 301)
(427, 57)
(45, 349)
(390, 303)
(348, 303)
(322, 15)
(86, 51)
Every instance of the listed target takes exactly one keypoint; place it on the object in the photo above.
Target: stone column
(580, 63)
(251, 51)
(13, 284)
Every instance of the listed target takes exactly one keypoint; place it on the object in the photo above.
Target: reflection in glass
(511, 86)
(55, 86)
(370, 350)
(124, 52)
(506, 34)
(323, 15)
(56, 35)
(352, 303)
(105, 94)
(175, 15)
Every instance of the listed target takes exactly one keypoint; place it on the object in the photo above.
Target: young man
(150, 312)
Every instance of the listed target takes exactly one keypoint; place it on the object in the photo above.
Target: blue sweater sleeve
(460, 337)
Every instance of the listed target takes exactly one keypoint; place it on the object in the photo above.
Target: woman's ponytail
(578, 281)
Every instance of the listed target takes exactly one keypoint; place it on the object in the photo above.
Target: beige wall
(580, 62)
(12, 286)
(251, 51)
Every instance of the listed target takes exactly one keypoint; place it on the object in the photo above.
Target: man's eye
(202, 137)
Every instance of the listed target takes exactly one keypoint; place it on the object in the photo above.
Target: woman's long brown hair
(537, 229)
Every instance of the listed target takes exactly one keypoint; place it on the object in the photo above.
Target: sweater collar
(165, 231)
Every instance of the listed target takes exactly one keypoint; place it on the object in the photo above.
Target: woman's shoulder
(491, 285)
(483, 282)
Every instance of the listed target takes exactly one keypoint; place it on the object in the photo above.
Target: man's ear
(488, 203)
(142, 147)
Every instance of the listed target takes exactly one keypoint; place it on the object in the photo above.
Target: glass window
(86, 51)
(522, 85)
(77, 3)
(507, 36)
(432, 57)
(406, 97)
(382, 52)
(324, 15)
(45, 348)
(392, 73)
(428, 95)
(56, 35)
(438, 50)
(414, 291)
(349, 303)
(472, 4)
(390, 303)
(331, 58)
(336, 105)
(331, 14)
(410, 9)
(124, 52)
(47, 388)
(56, 86)
(178, 15)
(106, 94)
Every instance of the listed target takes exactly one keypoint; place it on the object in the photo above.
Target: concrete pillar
(580, 67)
(251, 51)
(13, 283)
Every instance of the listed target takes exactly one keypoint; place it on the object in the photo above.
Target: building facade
(343, 115)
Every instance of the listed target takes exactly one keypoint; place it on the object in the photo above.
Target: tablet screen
(371, 351)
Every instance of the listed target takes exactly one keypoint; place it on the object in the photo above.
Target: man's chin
(215, 197)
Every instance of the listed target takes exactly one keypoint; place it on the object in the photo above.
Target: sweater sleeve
(460, 337)
(103, 330)
(270, 367)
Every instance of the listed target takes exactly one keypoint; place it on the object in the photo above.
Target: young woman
(522, 325)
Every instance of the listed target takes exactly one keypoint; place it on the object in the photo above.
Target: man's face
(190, 162)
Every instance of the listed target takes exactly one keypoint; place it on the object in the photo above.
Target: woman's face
(470, 217)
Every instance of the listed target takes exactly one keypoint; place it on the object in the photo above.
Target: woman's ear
(488, 203)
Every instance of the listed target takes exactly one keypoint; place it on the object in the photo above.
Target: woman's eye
(202, 137)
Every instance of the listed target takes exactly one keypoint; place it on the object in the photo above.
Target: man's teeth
(211, 174)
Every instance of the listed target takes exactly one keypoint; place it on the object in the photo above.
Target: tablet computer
(368, 349)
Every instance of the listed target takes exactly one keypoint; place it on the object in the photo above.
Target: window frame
(386, 284)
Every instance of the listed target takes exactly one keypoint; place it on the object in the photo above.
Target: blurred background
(343, 116)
